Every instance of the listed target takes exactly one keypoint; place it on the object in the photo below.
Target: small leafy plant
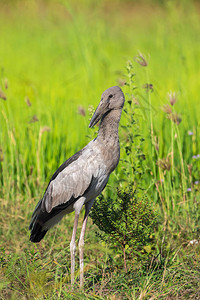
(126, 222)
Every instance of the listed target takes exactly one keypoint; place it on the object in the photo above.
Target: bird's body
(85, 177)
(80, 179)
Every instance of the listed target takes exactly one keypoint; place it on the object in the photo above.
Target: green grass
(62, 57)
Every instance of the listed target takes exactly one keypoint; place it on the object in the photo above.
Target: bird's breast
(111, 155)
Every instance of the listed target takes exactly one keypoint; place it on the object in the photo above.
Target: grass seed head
(28, 102)
(172, 98)
(45, 128)
(156, 143)
(33, 119)
(2, 95)
(164, 163)
(167, 109)
(81, 111)
(6, 83)
(141, 60)
(189, 166)
(175, 118)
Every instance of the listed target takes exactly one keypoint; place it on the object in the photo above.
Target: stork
(81, 178)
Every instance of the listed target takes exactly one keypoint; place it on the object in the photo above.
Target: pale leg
(73, 247)
(81, 240)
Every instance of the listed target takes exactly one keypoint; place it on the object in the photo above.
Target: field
(56, 59)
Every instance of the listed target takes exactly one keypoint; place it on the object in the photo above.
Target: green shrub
(126, 222)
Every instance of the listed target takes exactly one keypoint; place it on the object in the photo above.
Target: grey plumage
(80, 179)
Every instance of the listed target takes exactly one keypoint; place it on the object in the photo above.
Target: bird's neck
(108, 129)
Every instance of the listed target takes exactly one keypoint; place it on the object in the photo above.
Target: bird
(82, 177)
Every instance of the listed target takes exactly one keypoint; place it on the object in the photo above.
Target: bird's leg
(81, 240)
(73, 247)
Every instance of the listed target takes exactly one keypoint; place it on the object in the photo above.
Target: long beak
(96, 117)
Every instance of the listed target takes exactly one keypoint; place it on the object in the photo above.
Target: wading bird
(81, 178)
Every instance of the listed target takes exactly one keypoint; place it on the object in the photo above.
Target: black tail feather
(36, 225)
(40, 218)
(37, 233)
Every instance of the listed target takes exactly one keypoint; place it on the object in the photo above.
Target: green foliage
(126, 219)
(132, 140)
(126, 222)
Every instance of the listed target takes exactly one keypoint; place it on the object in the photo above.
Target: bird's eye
(110, 96)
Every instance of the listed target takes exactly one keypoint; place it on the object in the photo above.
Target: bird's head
(111, 99)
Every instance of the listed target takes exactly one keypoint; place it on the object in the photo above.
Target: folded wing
(71, 181)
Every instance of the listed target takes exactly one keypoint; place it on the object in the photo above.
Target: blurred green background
(62, 55)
